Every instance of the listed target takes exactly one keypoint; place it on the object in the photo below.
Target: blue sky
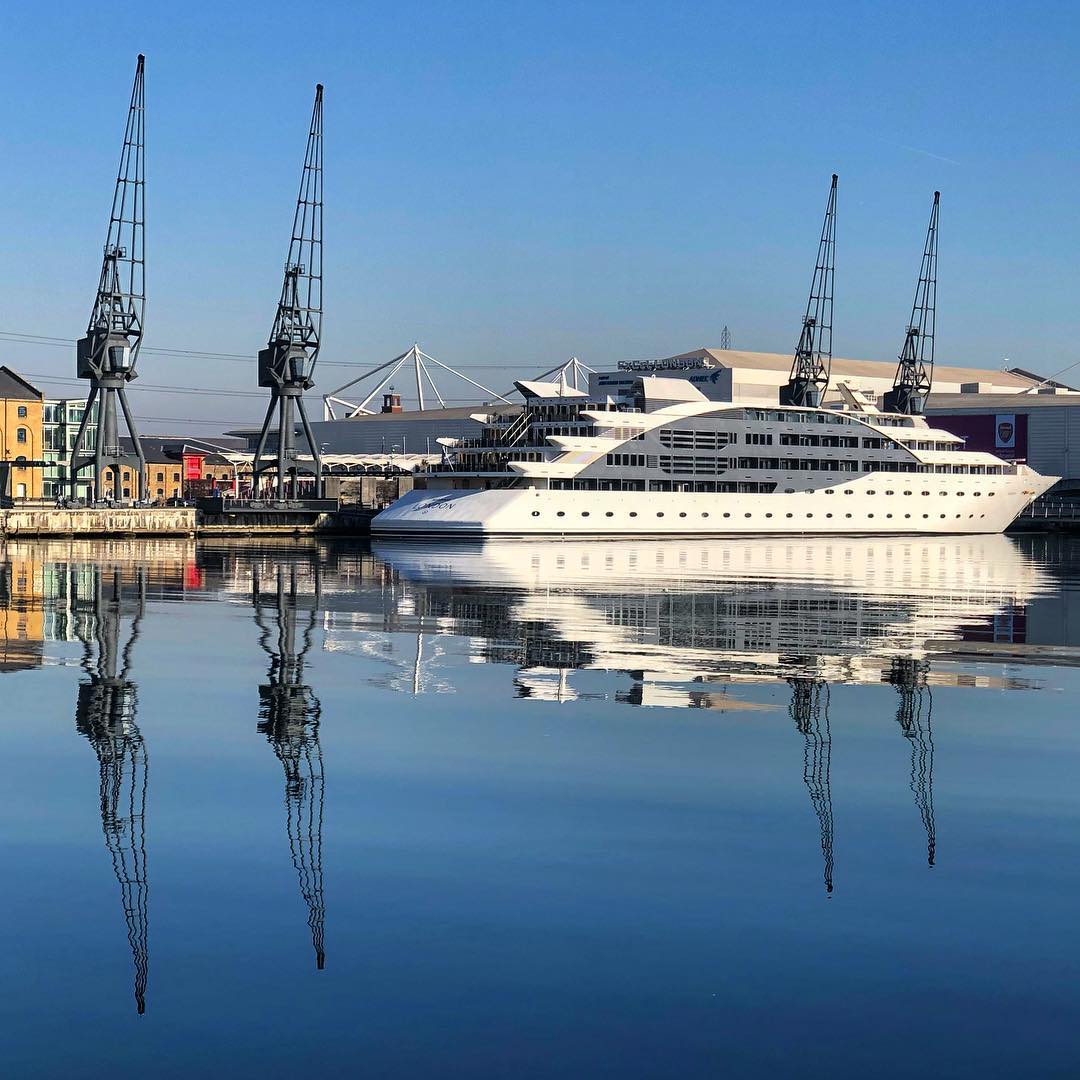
(511, 183)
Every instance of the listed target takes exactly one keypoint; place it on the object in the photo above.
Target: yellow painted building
(21, 432)
(22, 632)
(165, 480)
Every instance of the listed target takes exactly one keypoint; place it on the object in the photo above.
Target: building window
(22, 411)
(160, 477)
(20, 435)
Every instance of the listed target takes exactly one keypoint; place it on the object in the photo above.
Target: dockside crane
(107, 354)
(287, 364)
(289, 714)
(813, 355)
(106, 716)
(809, 709)
(915, 372)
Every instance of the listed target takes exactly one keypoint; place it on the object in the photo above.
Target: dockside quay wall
(148, 521)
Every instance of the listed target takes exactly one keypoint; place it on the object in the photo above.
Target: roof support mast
(813, 355)
(915, 372)
(287, 364)
(106, 355)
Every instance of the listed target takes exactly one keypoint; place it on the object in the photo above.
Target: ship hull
(875, 503)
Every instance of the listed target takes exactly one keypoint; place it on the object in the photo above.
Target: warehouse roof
(1000, 402)
(13, 387)
(875, 369)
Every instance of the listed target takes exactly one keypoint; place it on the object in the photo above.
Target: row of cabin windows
(797, 464)
(703, 466)
(624, 433)
(678, 439)
(727, 514)
(751, 487)
(850, 442)
(928, 444)
(563, 430)
(871, 491)
(830, 465)
(775, 416)
(634, 460)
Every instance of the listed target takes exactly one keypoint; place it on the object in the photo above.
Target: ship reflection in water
(687, 619)
(809, 643)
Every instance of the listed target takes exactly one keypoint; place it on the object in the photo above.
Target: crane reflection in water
(910, 679)
(809, 709)
(105, 714)
(289, 714)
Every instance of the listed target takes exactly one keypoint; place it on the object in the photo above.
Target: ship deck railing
(1053, 509)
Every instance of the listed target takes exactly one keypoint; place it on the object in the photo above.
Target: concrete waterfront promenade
(143, 521)
(174, 521)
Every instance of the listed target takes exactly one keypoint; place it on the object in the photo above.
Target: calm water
(541, 810)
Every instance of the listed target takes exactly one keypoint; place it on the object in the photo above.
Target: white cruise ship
(663, 459)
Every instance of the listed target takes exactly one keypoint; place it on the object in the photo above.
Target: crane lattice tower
(107, 354)
(813, 355)
(915, 372)
(287, 364)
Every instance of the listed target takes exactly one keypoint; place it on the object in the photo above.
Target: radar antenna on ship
(287, 364)
(105, 714)
(813, 355)
(915, 372)
(289, 714)
(107, 354)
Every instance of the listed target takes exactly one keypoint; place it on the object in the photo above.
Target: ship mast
(813, 355)
(915, 372)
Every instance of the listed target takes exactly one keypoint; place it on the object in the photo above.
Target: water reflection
(649, 624)
(810, 710)
(105, 715)
(913, 715)
(289, 714)
(713, 613)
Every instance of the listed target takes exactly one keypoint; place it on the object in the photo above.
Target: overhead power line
(20, 338)
(157, 388)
